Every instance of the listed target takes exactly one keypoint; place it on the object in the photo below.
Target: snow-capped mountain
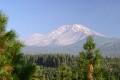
(70, 39)
(63, 35)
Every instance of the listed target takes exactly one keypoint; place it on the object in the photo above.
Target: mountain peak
(63, 35)
(77, 28)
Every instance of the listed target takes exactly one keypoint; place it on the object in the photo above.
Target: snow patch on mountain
(63, 35)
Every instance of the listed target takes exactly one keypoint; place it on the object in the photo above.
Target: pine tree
(89, 63)
(63, 73)
(90, 46)
(38, 75)
(6, 42)
(11, 58)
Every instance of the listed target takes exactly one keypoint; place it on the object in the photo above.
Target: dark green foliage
(38, 75)
(50, 60)
(89, 63)
(12, 64)
(64, 73)
(82, 66)
(3, 22)
(89, 45)
(109, 66)
(113, 66)
(25, 71)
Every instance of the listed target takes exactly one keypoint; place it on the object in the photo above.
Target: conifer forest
(88, 64)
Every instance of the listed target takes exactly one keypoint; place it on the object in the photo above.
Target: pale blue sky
(42, 16)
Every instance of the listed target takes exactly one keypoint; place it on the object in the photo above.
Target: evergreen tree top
(3, 22)
(89, 45)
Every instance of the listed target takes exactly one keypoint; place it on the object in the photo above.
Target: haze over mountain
(70, 39)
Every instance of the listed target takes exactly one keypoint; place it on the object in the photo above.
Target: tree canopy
(12, 65)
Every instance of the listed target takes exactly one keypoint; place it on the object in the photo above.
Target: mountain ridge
(63, 35)
(70, 39)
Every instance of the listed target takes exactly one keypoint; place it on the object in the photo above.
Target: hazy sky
(42, 16)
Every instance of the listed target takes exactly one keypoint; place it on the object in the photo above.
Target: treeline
(50, 63)
(51, 60)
